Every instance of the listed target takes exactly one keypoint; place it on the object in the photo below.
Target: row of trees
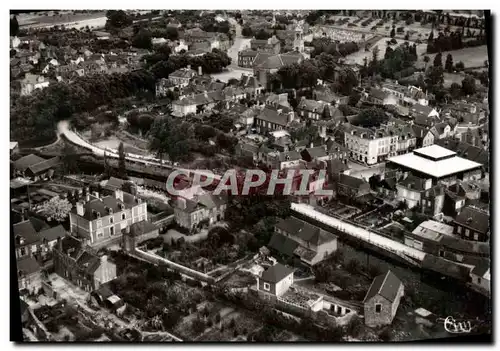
(452, 41)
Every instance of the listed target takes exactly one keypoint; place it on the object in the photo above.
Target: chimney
(188, 67)
(104, 258)
(119, 194)
(200, 72)
(87, 197)
(79, 209)
(311, 145)
(205, 93)
(290, 116)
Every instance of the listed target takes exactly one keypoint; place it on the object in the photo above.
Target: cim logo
(457, 327)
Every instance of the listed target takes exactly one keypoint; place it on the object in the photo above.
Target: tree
(14, 27)
(438, 60)
(122, 171)
(448, 65)
(372, 117)
(393, 31)
(69, 159)
(262, 34)
(459, 66)
(431, 36)
(142, 40)
(168, 137)
(347, 82)
(247, 32)
(455, 90)
(56, 209)
(469, 85)
(117, 19)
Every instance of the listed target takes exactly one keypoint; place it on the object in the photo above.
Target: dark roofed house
(275, 281)
(318, 153)
(79, 264)
(25, 162)
(352, 187)
(272, 119)
(472, 224)
(35, 167)
(294, 237)
(49, 237)
(26, 239)
(382, 300)
(29, 274)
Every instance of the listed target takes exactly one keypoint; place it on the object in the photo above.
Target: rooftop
(433, 230)
(436, 169)
(435, 152)
(385, 285)
(276, 273)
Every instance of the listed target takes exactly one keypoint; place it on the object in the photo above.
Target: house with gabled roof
(275, 281)
(295, 238)
(75, 261)
(472, 224)
(205, 209)
(100, 219)
(382, 300)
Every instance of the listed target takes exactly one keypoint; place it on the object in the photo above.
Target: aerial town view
(250, 175)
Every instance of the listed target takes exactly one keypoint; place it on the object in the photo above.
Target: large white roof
(435, 151)
(437, 169)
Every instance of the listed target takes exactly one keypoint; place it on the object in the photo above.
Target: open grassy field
(471, 57)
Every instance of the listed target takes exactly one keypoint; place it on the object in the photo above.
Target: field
(68, 19)
(471, 57)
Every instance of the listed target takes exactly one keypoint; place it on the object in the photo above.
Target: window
(459, 230)
(111, 230)
(467, 232)
(441, 253)
(33, 248)
(378, 308)
(99, 223)
(23, 251)
(99, 233)
(476, 236)
(267, 287)
(111, 220)
(124, 216)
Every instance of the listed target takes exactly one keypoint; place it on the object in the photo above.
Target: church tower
(298, 42)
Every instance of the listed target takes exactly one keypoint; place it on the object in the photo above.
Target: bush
(353, 266)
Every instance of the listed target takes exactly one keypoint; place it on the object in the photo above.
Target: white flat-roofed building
(438, 163)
